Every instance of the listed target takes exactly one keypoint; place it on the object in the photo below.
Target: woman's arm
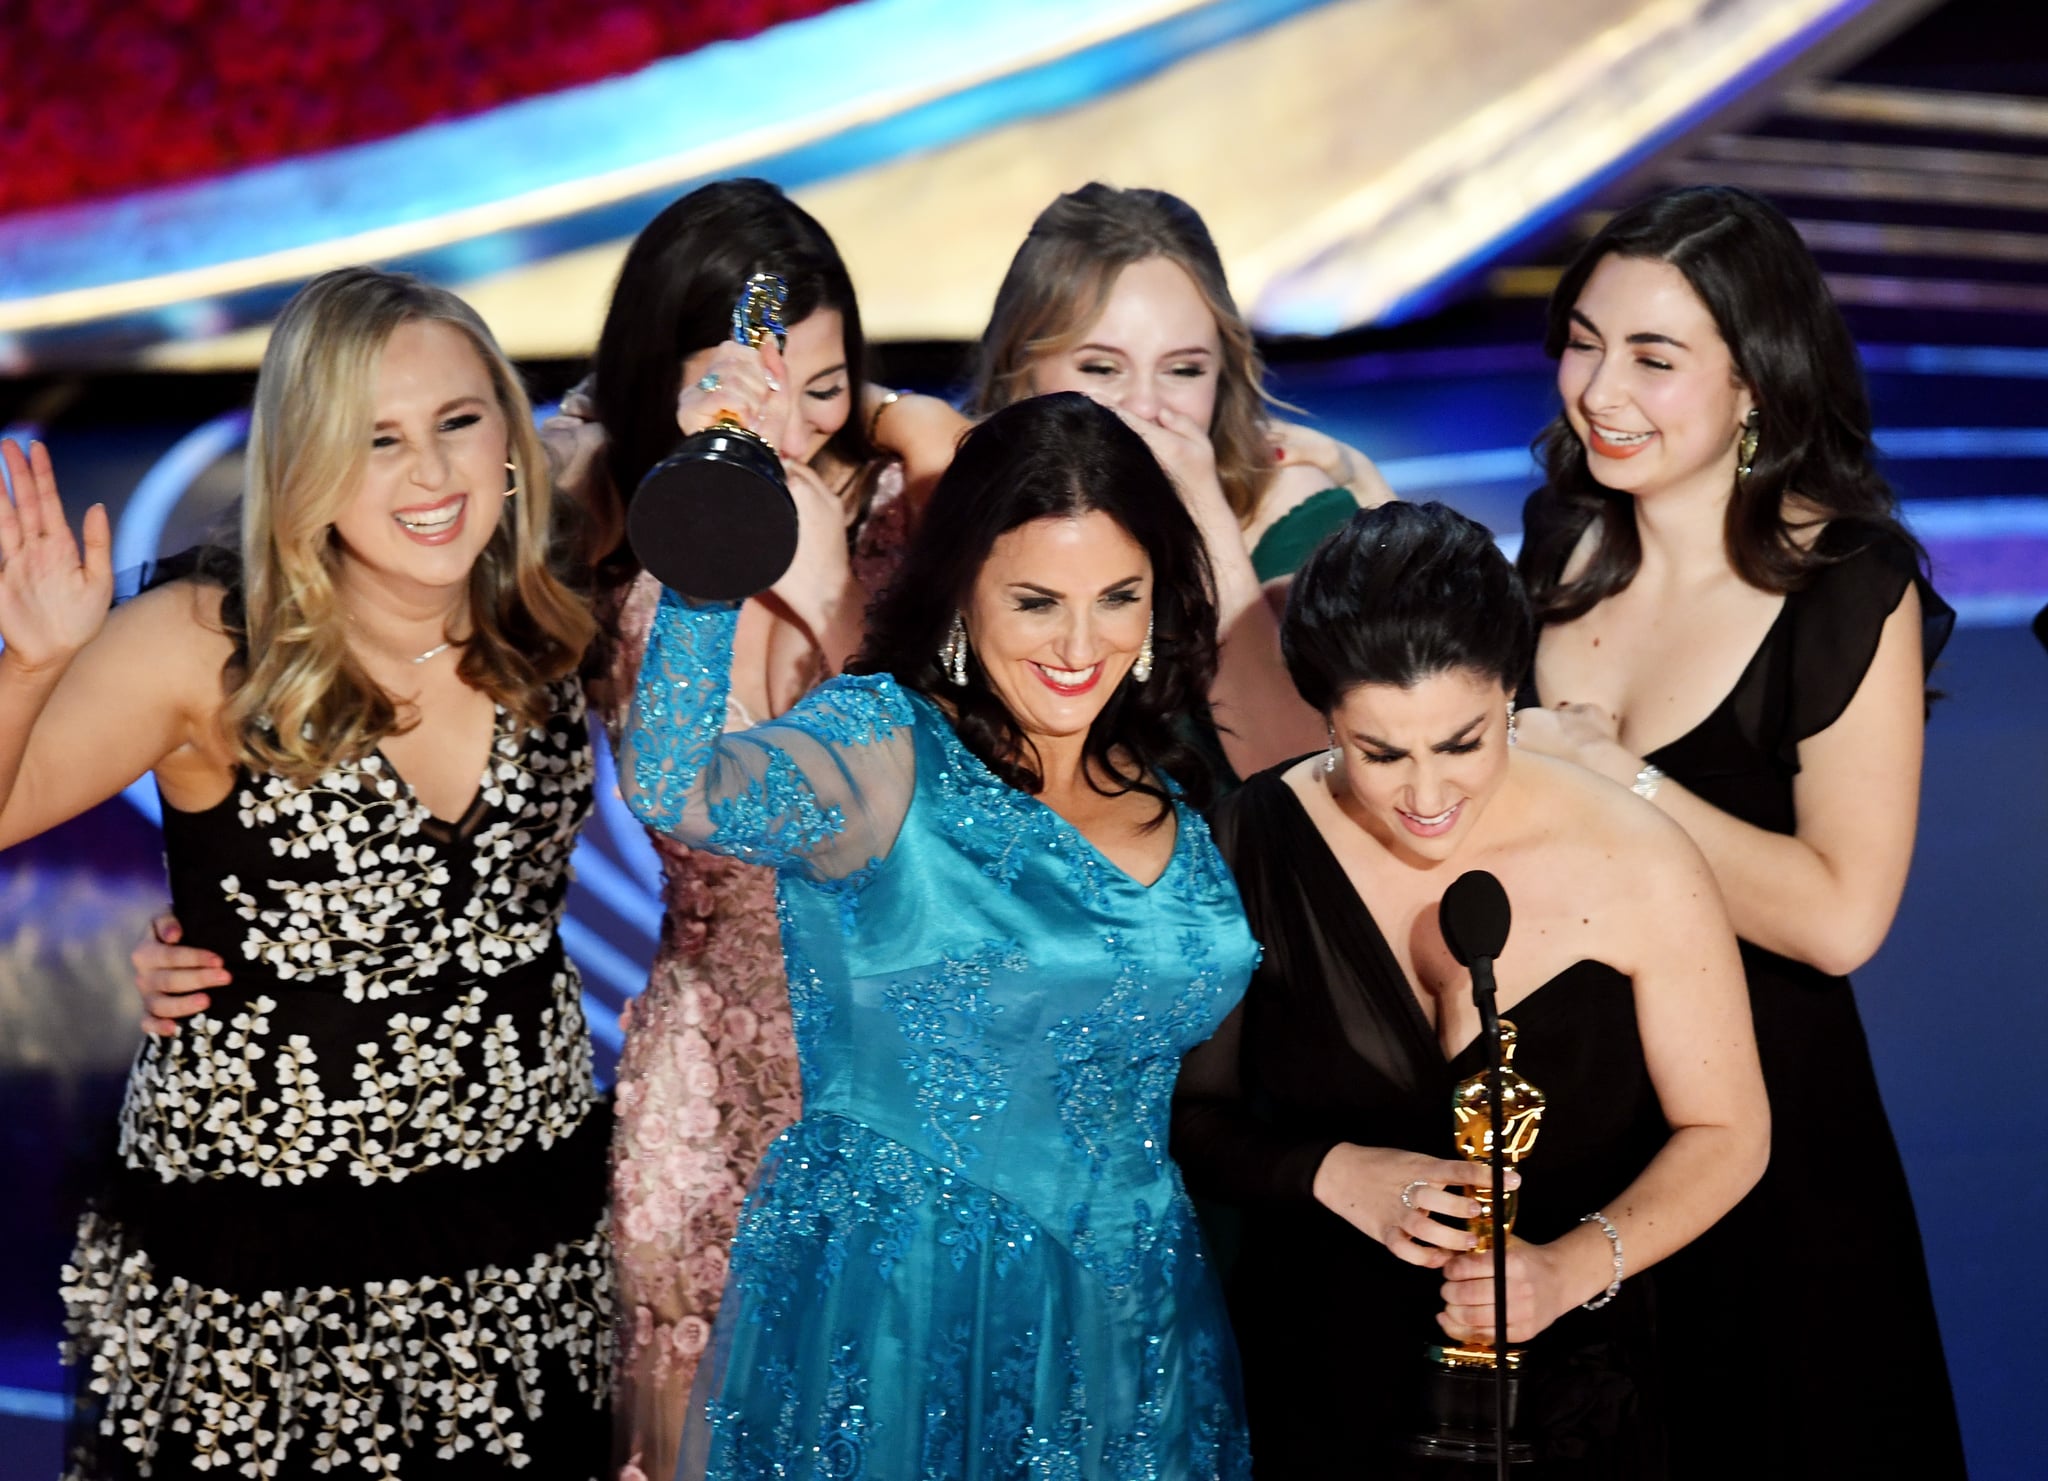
(1226, 1152)
(1692, 1013)
(821, 790)
(88, 703)
(1825, 894)
(1340, 464)
(920, 432)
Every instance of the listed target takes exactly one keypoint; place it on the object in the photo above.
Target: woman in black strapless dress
(1322, 1109)
(1735, 624)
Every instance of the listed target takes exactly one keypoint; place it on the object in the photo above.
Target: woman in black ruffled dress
(1736, 625)
(358, 1221)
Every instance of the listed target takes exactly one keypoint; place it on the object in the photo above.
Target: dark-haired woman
(1323, 1106)
(1734, 624)
(1004, 922)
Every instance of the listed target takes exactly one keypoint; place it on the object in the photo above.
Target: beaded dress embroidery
(972, 1256)
(708, 1075)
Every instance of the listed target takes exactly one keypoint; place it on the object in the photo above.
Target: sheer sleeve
(820, 791)
(1224, 1149)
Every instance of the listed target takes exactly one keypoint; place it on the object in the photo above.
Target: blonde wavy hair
(1061, 279)
(300, 703)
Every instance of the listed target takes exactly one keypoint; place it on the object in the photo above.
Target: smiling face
(1648, 383)
(434, 481)
(1056, 619)
(815, 351)
(1154, 344)
(1419, 764)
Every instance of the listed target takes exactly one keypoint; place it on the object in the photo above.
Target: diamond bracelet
(1613, 1238)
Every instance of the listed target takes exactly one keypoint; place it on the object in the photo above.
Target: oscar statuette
(714, 520)
(1459, 1385)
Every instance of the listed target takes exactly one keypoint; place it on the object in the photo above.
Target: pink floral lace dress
(707, 1078)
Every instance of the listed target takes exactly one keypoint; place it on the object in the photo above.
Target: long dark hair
(1056, 457)
(1790, 347)
(1062, 276)
(675, 296)
(1400, 593)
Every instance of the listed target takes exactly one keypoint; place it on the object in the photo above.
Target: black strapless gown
(1801, 1335)
(1331, 1045)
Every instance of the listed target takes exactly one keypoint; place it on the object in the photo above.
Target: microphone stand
(1489, 1027)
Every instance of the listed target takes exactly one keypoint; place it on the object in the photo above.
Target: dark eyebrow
(1458, 738)
(1462, 734)
(442, 410)
(839, 369)
(1046, 591)
(1634, 339)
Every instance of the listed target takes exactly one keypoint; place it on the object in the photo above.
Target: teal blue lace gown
(972, 1256)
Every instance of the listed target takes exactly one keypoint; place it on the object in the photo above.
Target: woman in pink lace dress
(708, 1075)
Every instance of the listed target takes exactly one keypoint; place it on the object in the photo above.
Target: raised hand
(574, 440)
(748, 385)
(52, 599)
(1184, 450)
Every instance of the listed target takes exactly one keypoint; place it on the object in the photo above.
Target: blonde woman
(1120, 294)
(358, 1216)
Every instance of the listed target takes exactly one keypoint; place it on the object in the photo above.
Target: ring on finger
(710, 381)
(1408, 1194)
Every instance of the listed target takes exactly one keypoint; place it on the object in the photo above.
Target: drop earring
(953, 652)
(1142, 669)
(1511, 723)
(1745, 450)
(1330, 756)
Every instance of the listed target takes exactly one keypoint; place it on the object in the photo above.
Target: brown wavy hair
(299, 703)
(1062, 277)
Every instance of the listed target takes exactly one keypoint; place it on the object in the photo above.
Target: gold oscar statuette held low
(1459, 1386)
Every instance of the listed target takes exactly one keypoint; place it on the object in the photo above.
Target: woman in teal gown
(1004, 922)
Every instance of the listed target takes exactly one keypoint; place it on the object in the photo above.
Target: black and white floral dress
(358, 1222)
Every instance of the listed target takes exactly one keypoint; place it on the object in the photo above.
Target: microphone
(1474, 918)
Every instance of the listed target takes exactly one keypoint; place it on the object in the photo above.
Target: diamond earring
(953, 652)
(1511, 723)
(1142, 669)
(1330, 756)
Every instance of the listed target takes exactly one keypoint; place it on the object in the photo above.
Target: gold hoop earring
(511, 479)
